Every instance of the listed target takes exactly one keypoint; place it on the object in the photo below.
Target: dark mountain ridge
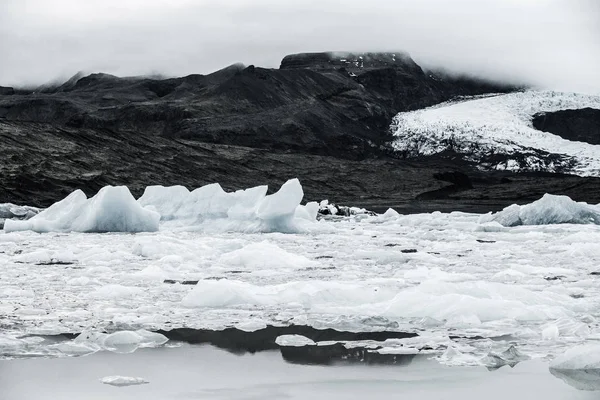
(321, 117)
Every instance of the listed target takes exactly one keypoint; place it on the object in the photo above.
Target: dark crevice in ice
(238, 341)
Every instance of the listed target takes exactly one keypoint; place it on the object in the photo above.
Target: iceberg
(212, 208)
(550, 209)
(208, 208)
(113, 209)
(579, 367)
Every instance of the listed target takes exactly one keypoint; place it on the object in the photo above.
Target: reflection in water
(204, 372)
(337, 353)
(582, 379)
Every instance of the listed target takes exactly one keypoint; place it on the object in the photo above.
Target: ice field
(474, 291)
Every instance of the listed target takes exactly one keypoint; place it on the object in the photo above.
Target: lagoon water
(205, 372)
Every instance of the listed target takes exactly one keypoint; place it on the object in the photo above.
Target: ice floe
(550, 209)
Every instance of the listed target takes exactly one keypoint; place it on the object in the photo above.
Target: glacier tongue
(497, 132)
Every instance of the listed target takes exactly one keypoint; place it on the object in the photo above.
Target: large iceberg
(550, 209)
(113, 209)
(211, 208)
(208, 208)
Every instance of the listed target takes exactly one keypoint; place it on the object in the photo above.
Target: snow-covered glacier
(208, 208)
(485, 127)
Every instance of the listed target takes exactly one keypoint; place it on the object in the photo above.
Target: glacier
(499, 124)
(550, 209)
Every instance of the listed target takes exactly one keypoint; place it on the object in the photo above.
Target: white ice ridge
(496, 124)
(550, 209)
(113, 209)
(208, 208)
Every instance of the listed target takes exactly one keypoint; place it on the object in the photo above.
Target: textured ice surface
(469, 290)
(113, 209)
(497, 125)
(550, 209)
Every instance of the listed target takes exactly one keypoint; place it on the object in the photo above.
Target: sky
(553, 44)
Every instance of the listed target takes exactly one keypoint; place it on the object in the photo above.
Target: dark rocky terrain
(321, 117)
(579, 125)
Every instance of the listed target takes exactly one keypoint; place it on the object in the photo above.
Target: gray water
(203, 372)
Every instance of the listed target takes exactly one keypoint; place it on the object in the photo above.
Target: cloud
(551, 43)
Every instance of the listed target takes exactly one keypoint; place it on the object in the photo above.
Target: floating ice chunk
(283, 203)
(252, 325)
(86, 337)
(308, 212)
(113, 209)
(121, 381)
(586, 356)
(114, 291)
(454, 356)
(579, 367)
(550, 209)
(121, 341)
(77, 349)
(264, 255)
(294, 341)
(211, 208)
(551, 332)
(390, 214)
(8, 210)
(510, 357)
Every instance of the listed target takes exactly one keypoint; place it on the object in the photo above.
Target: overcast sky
(552, 43)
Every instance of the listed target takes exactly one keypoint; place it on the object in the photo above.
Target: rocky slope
(582, 125)
(323, 118)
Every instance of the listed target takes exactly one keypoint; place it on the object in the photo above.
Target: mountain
(322, 117)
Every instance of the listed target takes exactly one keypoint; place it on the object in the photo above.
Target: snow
(113, 209)
(499, 124)
(474, 288)
(121, 381)
(550, 209)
